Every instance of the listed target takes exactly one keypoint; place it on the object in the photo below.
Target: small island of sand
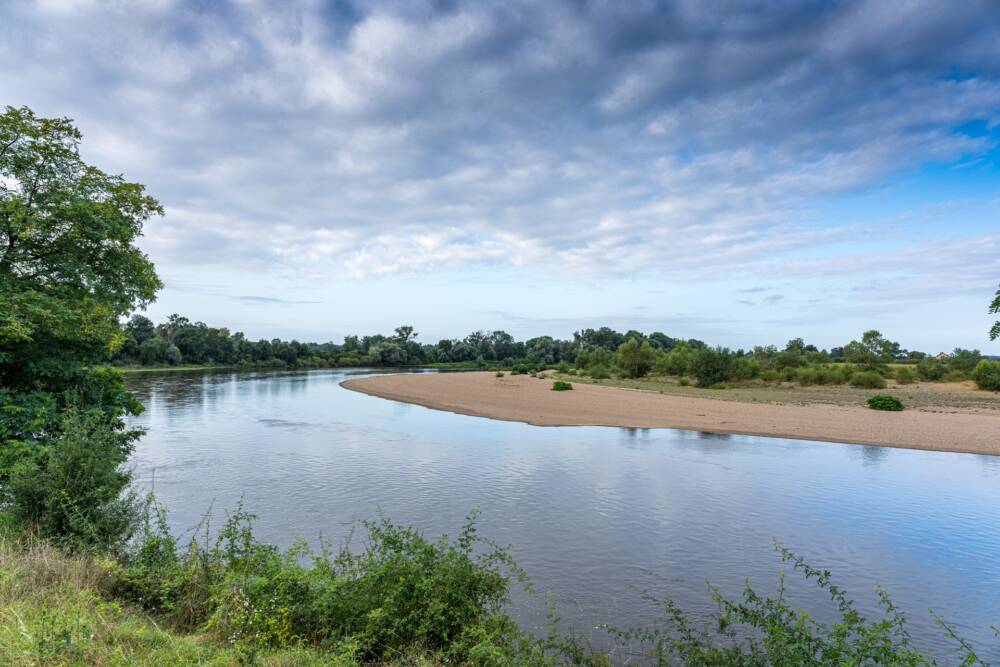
(527, 399)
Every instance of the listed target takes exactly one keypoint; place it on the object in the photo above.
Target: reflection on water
(594, 514)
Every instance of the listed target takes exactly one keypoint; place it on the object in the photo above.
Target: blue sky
(734, 171)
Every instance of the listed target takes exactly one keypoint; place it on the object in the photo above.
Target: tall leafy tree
(873, 351)
(69, 270)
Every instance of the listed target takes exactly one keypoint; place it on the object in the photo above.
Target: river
(594, 515)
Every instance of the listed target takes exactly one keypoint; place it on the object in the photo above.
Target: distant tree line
(599, 353)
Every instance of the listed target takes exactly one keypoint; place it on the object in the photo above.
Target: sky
(740, 172)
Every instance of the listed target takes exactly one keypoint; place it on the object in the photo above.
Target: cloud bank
(683, 139)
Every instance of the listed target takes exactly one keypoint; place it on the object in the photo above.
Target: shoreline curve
(530, 400)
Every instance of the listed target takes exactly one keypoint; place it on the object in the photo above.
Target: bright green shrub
(560, 385)
(905, 375)
(683, 381)
(987, 375)
(563, 367)
(867, 380)
(955, 376)
(885, 402)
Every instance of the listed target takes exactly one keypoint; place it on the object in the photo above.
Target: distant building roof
(941, 356)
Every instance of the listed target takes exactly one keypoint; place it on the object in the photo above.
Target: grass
(920, 395)
(53, 612)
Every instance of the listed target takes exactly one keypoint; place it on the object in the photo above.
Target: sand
(526, 399)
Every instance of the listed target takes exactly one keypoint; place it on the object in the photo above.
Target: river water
(595, 515)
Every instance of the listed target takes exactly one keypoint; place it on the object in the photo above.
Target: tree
(964, 360)
(634, 359)
(711, 366)
(995, 310)
(405, 333)
(69, 271)
(872, 352)
(69, 268)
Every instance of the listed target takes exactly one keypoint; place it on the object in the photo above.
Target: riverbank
(523, 398)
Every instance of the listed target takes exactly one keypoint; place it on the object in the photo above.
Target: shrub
(807, 376)
(905, 375)
(845, 372)
(867, 380)
(746, 368)
(931, 369)
(599, 372)
(683, 381)
(964, 360)
(75, 490)
(827, 375)
(560, 385)
(770, 375)
(563, 367)
(987, 375)
(955, 376)
(885, 402)
(676, 362)
(712, 366)
(634, 359)
(401, 591)
(499, 374)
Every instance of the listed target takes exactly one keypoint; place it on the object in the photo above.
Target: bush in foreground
(404, 600)
(561, 385)
(401, 591)
(74, 490)
(987, 375)
(885, 402)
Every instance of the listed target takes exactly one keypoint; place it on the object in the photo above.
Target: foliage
(678, 361)
(995, 310)
(599, 372)
(560, 385)
(400, 591)
(711, 366)
(987, 375)
(905, 375)
(885, 402)
(402, 601)
(964, 360)
(635, 359)
(955, 375)
(69, 269)
(867, 380)
(75, 489)
(872, 352)
(757, 630)
(499, 374)
(930, 368)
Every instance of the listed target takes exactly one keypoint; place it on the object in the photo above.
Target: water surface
(594, 514)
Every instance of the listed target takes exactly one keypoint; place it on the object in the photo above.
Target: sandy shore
(527, 399)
